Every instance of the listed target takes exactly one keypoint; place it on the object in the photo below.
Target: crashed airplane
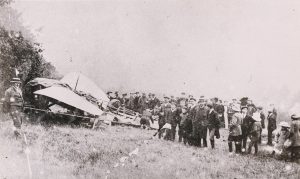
(74, 99)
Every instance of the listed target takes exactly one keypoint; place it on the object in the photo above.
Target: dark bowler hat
(244, 99)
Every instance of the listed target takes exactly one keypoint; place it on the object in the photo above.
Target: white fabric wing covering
(84, 84)
(69, 97)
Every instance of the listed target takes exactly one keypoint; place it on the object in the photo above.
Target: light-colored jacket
(280, 138)
(235, 125)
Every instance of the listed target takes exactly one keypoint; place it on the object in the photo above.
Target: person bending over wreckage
(146, 118)
(281, 147)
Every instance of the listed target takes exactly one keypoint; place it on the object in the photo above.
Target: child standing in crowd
(213, 124)
(254, 132)
(280, 138)
(235, 131)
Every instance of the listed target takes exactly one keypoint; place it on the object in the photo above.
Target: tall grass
(63, 152)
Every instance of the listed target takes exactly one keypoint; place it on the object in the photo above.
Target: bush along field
(125, 152)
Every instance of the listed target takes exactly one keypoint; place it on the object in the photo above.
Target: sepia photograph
(149, 89)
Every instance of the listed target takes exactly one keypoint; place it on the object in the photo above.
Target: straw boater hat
(284, 124)
(15, 80)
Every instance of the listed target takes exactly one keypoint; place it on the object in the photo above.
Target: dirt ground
(125, 152)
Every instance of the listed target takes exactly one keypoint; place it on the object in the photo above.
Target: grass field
(63, 152)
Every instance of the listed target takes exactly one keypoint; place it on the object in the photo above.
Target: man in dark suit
(188, 126)
(246, 124)
(200, 124)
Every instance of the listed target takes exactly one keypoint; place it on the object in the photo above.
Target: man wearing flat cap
(14, 100)
(213, 124)
(200, 123)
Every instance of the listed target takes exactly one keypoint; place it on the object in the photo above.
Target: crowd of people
(198, 120)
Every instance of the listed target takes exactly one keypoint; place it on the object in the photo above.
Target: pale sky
(211, 47)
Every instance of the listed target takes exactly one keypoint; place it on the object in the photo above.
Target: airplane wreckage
(75, 100)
